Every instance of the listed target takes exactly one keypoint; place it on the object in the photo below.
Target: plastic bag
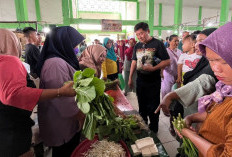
(121, 81)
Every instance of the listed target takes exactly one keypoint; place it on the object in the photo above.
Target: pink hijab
(9, 43)
(89, 58)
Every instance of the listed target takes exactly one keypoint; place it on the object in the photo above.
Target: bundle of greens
(99, 109)
(187, 147)
(112, 85)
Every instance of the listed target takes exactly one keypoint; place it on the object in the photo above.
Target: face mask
(76, 50)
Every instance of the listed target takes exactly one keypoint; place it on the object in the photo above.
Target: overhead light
(160, 37)
(168, 31)
(46, 29)
(90, 27)
(209, 24)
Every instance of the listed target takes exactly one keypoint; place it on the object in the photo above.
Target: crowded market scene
(115, 78)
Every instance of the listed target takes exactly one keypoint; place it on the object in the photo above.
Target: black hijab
(61, 43)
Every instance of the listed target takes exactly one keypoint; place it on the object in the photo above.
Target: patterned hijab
(220, 42)
(89, 58)
(9, 43)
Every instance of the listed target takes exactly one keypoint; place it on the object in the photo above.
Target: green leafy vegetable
(85, 94)
(85, 82)
(187, 147)
(88, 73)
(98, 107)
(84, 107)
(99, 86)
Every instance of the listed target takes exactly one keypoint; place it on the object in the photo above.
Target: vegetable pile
(187, 147)
(105, 148)
(99, 109)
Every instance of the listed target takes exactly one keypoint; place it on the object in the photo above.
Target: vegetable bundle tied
(99, 109)
(187, 147)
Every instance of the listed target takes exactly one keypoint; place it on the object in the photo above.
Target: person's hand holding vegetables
(165, 103)
(67, 90)
(185, 133)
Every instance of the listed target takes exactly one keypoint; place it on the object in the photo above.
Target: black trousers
(66, 149)
(148, 94)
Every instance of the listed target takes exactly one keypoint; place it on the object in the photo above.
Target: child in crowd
(189, 59)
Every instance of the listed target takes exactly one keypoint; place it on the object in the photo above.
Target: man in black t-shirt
(149, 56)
(31, 51)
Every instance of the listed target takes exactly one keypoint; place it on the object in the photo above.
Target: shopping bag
(121, 81)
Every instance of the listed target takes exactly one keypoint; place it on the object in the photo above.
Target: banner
(111, 25)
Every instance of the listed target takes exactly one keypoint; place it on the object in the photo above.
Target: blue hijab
(61, 43)
(110, 52)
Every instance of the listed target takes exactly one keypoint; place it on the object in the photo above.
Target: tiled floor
(165, 137)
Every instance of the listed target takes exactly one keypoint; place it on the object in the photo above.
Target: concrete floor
(168, 141)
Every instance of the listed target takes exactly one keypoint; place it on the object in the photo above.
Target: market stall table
(121, 102)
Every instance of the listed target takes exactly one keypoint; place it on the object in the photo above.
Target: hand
(188, 121)
(178, 133)
(165, 103)
(104, 78)
(148, 67)
(179, 80)
(130, 83)
(81, 118)
(67, 90)
(162, 75)
(185, 132)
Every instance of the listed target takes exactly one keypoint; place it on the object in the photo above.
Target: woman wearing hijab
(92, 57)
(215, 110)
(127, 65)
(18, 97)
(122, 49)
(109, 66)
(59, 118)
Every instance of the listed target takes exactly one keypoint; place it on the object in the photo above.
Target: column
(65, 10)
(177, 15)
(21, 10)
(38, 14)
(137, 10)
(225, 8)
(160, 18)
(150, 14)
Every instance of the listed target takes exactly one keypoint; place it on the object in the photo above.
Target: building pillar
(160, 18)
(38, 14)
(150, 14)
(177, 15)
(137, 10)
(225, 8)
(21, 10)
(65, 12)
